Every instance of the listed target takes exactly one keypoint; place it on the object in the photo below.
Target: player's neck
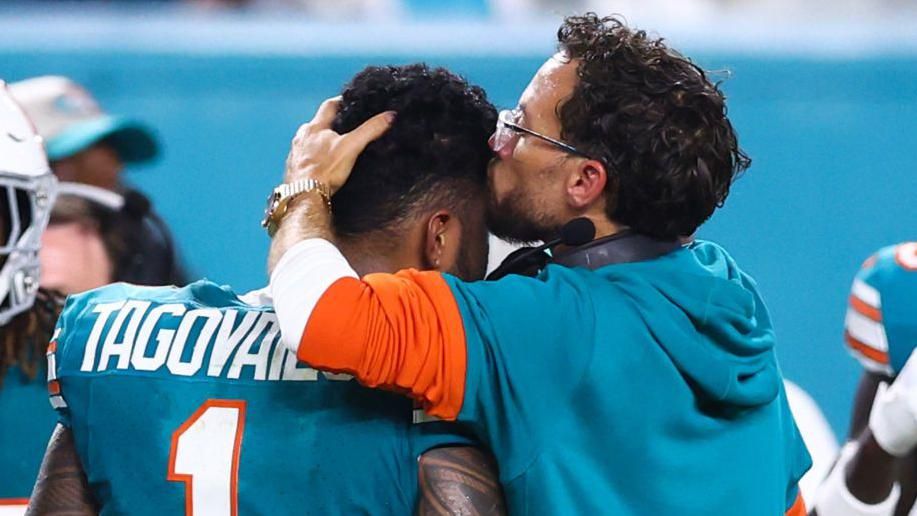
(366, 257)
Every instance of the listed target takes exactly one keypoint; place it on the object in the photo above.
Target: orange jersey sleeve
(402, 332)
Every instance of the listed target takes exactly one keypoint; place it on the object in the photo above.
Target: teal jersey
(26, 423)
(880, 328)
(638, 388)
(182, 401)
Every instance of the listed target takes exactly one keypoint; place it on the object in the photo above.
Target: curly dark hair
(655, 120)
(435, 150)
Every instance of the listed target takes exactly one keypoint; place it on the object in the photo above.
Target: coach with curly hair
(633, 374)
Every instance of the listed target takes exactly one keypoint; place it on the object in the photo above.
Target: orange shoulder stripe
(798, 508)
(865, 349)
(54, 387)
(865, 310)
(402, 332)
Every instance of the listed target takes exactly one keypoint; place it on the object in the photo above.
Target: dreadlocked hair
(24, 340)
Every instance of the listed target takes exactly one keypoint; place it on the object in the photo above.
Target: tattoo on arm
(459, 480)
(62, 488)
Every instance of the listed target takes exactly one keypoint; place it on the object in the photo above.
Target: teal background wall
(833, 141)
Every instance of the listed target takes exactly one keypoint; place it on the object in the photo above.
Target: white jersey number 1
(205, 456)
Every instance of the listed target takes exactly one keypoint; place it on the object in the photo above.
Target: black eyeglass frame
(505, 118)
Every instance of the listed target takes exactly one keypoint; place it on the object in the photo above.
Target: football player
(876, 473)
(27, 313)
(183, 400)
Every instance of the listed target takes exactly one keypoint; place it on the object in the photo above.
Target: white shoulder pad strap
(299, 280)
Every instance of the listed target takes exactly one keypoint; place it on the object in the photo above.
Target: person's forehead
(553, 82)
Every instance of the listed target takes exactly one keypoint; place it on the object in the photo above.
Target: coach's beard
(517, 220)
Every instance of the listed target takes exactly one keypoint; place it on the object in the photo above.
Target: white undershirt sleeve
(300, 278)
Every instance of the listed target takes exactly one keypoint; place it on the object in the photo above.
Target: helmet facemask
(25, 206)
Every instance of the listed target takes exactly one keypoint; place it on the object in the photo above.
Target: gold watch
(280, 198)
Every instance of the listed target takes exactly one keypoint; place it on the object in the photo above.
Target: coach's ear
(442, 241)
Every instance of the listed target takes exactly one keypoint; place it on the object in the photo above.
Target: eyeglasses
(508, 129)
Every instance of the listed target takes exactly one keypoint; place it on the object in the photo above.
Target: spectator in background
(73, 255)
(86, 145)
(79, 248)
(95, 237)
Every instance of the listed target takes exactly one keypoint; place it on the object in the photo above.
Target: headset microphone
(576, 232)
(528, 260)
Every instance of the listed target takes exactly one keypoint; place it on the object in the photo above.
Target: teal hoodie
(639, 388)
(709, 318)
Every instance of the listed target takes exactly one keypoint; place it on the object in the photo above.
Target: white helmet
(27, 191)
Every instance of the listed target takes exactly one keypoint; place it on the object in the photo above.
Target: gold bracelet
(280, 199)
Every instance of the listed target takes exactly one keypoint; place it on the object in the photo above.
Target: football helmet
(27, 192)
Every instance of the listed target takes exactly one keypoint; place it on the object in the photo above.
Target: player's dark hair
(24, 339)
(655, 120)
(435, 151)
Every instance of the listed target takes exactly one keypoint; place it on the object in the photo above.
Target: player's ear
(442, 241)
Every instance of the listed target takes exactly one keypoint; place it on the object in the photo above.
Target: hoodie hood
(710, 320)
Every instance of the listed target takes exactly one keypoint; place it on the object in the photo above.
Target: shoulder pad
(880, 328)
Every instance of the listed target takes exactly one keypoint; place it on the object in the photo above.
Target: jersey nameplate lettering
(231, 344)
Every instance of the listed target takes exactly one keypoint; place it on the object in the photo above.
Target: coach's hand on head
(319, 153)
